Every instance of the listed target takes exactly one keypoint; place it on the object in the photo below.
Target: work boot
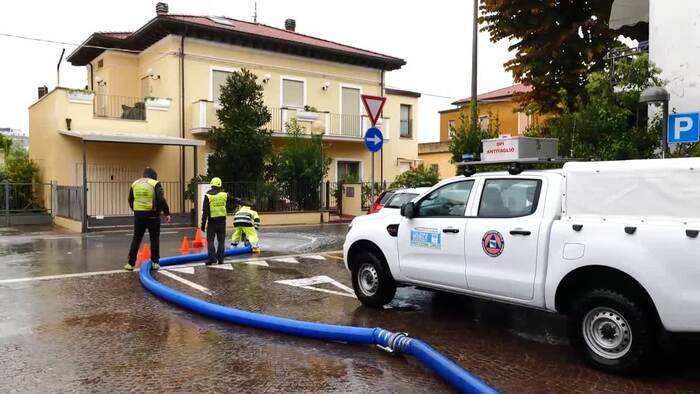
(234, 244)
(129, 267)
(209, 263)
(155, 266)
(255, 249)
(220, 262)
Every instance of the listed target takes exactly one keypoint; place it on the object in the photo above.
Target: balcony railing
(120, 107)
(311, 122)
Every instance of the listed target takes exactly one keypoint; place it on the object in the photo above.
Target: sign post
(374, 140)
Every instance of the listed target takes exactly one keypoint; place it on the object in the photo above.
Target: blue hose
(455, 375)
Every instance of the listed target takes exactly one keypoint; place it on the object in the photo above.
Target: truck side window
(449, 200)
(509, 198)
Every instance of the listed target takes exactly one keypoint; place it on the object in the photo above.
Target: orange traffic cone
(185, 247)
(198, 242)
(146, 253)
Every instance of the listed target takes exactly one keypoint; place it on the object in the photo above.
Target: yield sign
(373, 106)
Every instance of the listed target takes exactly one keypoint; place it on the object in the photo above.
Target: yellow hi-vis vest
(144, 194)
(217, 204)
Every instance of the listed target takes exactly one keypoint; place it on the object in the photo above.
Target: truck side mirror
(408, 210)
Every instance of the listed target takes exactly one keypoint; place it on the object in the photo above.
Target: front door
(351, 122)
(431, 245)
(502, 237)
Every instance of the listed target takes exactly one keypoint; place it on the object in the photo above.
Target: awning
(131, 138)
(628, 13)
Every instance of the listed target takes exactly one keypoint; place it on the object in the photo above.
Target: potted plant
(80, 96)
(308, 113)
(158, 103)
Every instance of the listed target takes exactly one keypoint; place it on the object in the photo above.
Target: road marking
(120, 271)
(184, 270)
(290, 260)
(261, 263)
(228, 267)
(315, 257)
(49, 277)
(307, 283)
(187, 282)
(334, 257)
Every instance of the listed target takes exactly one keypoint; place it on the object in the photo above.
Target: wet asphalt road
(105, 333)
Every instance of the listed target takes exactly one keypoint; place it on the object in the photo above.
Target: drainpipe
(182, 120)
(92, 77)
(58, 68)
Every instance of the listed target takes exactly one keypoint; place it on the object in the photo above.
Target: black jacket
(206, 210)
(161, 204)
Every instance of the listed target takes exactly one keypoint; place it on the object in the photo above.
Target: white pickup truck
(612, 245)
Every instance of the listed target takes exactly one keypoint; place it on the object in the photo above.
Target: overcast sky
(433, 37)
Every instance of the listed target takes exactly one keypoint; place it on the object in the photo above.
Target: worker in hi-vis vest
(147, 201)
(214, 210)
(245, 222)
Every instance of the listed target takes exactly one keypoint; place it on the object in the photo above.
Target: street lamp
(657, 94)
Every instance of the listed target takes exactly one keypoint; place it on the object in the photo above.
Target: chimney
(290, 24)
(161, 8)
(43, 91)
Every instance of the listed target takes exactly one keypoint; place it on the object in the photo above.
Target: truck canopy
(650, 190)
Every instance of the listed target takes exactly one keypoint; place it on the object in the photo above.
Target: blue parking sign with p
(684, 128)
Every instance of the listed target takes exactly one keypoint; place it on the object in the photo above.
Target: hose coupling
(396, 343)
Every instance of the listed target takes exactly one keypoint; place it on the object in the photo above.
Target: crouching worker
(245, 223)
(214, 210)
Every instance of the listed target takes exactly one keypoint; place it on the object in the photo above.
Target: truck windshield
(399, 199)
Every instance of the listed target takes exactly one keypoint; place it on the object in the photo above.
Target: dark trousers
(216, 229)
(140, 226)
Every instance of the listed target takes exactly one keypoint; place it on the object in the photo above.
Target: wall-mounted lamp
(152, 75)
(100, 81)
(266, 78)
(326, 85)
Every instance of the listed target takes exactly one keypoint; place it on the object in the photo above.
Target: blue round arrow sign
(374, 139)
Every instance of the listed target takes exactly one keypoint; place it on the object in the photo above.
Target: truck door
(431, 245)
(502, 237)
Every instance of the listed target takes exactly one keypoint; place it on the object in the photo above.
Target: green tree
(420, 176)
(299, 168)
(556, 44)
(19, 167)
(607, 122)
(241, 146)
(464, 140)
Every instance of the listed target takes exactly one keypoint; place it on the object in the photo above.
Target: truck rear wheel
(613, 331)
(373, 284)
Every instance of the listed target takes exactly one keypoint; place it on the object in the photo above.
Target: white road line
(307, 283)
(228, 267)
(315, 257)
(48, 277)
(261, 263)
(290, 260)
(183, 270)
(186, 282)
(334, 257)
(96, 273)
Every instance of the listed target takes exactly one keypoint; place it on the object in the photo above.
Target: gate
(25, 203)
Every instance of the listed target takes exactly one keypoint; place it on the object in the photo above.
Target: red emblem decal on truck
(493, 243)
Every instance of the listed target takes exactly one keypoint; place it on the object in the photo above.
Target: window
(349, 171)
(218, 79)
(399, 199)
(292, 93)
(484, 122)
(509, 198)
(449, 200)
(405, 130)
(450, 128)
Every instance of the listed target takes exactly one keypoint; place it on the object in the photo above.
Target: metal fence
(22, 198)
(69, 202)
(367, 198)
(123, 107)
(272, 197)
(108, 199)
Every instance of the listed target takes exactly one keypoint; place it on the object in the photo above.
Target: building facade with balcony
(152, 98)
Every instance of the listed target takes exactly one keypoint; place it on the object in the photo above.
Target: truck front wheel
(371, 280)
(613, 331)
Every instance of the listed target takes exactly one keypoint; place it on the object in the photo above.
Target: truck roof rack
(515, 166)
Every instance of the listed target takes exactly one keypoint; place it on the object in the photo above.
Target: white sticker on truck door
(426, 238)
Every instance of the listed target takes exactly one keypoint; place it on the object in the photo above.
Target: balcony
(119, 107)
(330, 125)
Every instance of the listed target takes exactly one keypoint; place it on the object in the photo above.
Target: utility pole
(475, 34)
(255, 12)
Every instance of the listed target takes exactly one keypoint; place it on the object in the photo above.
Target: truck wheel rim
(607, 333)
(368, 279)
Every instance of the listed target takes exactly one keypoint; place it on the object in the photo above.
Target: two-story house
(152, 96)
